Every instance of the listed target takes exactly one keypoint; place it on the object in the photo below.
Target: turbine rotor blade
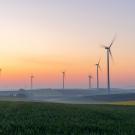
(99, 67)
(111, 55)
(99, 61)
(65, 75)
(112, 41)
(103, 46)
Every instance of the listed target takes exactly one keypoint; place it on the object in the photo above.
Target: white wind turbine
(90, 78)
(97, 68)
(63, 79)
(109, 53)
(31, 81)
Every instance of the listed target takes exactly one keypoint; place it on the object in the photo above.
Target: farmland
(125, 103)
(29, 118)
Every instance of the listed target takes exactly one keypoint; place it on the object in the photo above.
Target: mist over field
(79, 96)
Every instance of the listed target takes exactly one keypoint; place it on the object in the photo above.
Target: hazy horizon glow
(45, 37)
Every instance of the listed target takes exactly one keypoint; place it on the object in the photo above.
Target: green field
(23, 118)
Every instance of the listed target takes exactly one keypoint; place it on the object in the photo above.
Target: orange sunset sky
(46, 37)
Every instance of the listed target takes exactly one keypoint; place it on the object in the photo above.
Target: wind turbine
(63, 80)
(109, 53)
(90, 78)
(31, 81)
(98, 67)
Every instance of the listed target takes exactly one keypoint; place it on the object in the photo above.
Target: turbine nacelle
(107, 48)
(90, 76)
(32, 76)
(63, 73)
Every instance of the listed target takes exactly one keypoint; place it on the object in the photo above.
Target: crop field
(25, 118)
(125, 103)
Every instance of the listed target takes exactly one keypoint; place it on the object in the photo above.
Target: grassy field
(23, 118)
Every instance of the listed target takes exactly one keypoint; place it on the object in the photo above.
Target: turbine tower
(63, 80)
(90, 78)
(98, 67)
(109, 53)
(31, 81)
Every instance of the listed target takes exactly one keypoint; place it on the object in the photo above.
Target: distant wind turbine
(31, 81)
(63, 80)
(98, 67)
(109, 53)
(90, 78)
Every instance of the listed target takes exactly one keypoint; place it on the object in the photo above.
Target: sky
(47, 37)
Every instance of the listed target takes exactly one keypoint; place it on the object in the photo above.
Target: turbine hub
(107, 48)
